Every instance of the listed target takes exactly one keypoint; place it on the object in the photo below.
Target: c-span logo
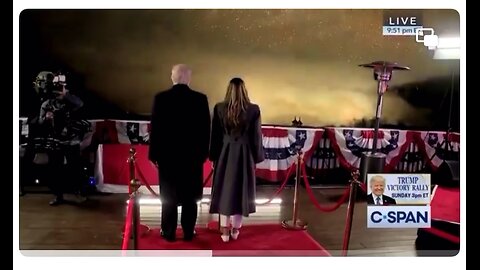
(398, 216)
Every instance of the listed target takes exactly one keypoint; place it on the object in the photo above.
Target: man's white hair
(377, 178)
(181, 74)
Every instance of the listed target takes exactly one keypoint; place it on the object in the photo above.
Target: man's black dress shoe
(169, 238)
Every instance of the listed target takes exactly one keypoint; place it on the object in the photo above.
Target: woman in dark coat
(236, 146)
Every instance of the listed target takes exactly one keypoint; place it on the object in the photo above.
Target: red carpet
(445, 204)
(444, 233)
(254, 240)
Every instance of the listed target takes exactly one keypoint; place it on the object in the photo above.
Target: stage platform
(101, 220)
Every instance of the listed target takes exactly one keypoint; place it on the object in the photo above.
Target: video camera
(48, 84)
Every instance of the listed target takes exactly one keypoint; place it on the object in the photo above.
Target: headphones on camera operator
(49, 85)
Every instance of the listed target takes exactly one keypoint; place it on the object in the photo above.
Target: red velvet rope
(444, 235)
(205, 182)
(363, 186)
(147, 185)
(128, 224)
(279, 190)
(312, 196)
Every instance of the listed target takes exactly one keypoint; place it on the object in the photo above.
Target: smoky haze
(294, 62)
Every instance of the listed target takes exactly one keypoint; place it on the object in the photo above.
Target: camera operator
(59, 140)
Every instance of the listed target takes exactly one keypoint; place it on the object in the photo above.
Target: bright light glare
(151, 201)
(274, 201)
(448, 43)
(445, 54)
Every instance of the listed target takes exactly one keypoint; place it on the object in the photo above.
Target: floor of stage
(97, 223)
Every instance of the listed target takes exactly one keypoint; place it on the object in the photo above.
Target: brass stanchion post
(134, 185)
(295, 223)
(350, 210)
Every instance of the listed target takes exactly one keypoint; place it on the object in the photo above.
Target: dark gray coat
(235, 154)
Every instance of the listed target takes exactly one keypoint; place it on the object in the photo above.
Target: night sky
(294, 62)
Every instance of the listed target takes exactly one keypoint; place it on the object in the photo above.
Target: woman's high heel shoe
(235, 233)
(225, 238)
(225, 234)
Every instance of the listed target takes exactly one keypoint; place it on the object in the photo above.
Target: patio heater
(374, 161)
(371, 162)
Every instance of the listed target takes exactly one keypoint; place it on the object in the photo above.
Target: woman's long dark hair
(237, 102)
